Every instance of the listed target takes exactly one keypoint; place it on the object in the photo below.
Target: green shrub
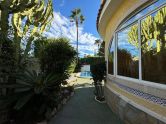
(72, 67)
(91, 60)
(7, 52)
(36, 94)
(7, 61)
(57, 58)
(39, 46)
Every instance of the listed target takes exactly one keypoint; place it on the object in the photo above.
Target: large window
(141, 47)
(111, 57)
(153, 46)
(128, 52)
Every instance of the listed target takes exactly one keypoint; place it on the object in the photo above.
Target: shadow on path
(83, 109)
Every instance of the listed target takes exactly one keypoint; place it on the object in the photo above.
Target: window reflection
(144, 12)
(127, 52)
(153, 45)
(111, 57)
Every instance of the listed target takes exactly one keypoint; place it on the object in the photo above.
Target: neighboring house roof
(99, 12)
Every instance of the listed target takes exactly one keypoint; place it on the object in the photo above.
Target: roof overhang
(105, 13)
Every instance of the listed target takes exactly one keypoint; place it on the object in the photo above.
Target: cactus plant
(28, 18)
(152, 30)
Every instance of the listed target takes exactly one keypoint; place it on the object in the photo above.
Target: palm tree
(77, 18)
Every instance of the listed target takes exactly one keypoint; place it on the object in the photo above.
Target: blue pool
(86, 74)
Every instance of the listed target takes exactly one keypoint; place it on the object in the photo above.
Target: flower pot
(100, 100)
(99, 93)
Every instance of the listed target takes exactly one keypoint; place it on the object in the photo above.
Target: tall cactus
(36, 19)
(29, 18)
(8, 7)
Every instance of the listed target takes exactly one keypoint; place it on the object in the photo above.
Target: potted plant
(98, 71)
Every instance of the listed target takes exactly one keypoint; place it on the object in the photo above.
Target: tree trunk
(77, 41)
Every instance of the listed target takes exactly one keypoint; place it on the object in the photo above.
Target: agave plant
(35, 95)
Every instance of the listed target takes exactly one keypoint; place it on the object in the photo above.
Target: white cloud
(61, 26)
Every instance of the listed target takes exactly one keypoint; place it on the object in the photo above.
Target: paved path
(83, 109)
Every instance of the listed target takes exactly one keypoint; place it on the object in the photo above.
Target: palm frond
(78, 11)
(75, 15)
(82, 19)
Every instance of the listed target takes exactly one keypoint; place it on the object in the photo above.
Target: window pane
(153, 45)
(128, 52)
(111, 57)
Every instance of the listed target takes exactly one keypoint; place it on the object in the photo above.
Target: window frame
(113, 39)
(134, 80)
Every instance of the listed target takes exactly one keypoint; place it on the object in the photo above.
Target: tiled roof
(99, 12)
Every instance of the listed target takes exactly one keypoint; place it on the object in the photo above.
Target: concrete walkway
(83, 109)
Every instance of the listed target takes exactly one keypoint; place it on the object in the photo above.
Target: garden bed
(66, 94)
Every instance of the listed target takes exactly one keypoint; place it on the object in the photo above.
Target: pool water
(86, 74)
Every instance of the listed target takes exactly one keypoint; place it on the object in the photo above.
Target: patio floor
(83, 109)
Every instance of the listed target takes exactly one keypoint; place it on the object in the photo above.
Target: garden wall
(128, 112)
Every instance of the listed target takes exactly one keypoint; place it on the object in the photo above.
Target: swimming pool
(86, 74)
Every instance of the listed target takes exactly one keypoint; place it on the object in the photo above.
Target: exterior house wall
(130, 107)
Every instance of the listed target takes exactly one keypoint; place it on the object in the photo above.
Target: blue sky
(61, 25)
(89, 9)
